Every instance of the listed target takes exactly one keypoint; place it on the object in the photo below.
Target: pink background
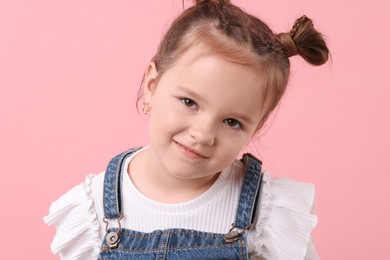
(70, 71)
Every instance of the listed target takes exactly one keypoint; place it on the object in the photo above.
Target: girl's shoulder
(75, 216)
(284, 220)
(282, 230)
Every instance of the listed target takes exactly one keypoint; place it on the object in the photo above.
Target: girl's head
(217, 75)
(226, 31)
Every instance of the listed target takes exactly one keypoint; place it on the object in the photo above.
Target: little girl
(217, 75)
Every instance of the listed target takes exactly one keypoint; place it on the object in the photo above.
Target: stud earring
(146, 108)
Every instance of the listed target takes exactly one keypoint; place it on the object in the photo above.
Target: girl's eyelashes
(189, 103)
(233, 123)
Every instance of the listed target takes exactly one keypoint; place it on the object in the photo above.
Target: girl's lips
(190, 152)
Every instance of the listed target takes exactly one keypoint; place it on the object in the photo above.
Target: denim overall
(178, 243)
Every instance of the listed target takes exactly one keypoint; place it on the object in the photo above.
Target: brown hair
(228, 31)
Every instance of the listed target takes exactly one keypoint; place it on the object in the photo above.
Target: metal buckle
(112, 238)
(233, 235)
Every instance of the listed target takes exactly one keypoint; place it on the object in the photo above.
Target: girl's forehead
(201, 50)
(193, 54)
(198, 66)
(215, 81)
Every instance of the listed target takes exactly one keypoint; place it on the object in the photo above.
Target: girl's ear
(150, 81)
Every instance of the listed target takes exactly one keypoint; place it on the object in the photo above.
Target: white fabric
(77, 224)
(282, 227)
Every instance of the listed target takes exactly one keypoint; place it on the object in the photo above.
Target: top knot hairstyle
(229, 32)
(306, 41)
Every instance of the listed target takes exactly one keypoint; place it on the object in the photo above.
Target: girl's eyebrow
(243, 117)
(190, 92)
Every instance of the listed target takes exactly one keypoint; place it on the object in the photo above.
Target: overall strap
(112, 185)
(250, 192)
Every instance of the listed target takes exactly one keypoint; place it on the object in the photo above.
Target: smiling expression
(204, 110)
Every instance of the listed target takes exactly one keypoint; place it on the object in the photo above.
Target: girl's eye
(189, 103)
(233, 123)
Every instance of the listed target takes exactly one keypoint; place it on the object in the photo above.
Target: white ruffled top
(282, 228)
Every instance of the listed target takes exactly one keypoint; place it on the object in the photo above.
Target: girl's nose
(203, 133)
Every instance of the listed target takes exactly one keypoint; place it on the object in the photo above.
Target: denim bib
(178, 243)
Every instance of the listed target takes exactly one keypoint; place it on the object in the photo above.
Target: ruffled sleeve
(284, 221)
(75, 217)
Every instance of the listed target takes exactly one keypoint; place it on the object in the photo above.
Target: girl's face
(204, 109)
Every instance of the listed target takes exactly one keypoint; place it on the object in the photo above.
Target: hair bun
(305, 40)
(288, 44)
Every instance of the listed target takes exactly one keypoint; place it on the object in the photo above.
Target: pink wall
(69, 72)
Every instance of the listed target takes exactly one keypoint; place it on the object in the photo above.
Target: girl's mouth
(190, 152)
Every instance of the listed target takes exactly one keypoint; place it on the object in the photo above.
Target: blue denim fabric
(178, 243)
(112, 185)
(250, 190)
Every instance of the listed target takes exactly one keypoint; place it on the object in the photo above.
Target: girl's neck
(153, 181)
